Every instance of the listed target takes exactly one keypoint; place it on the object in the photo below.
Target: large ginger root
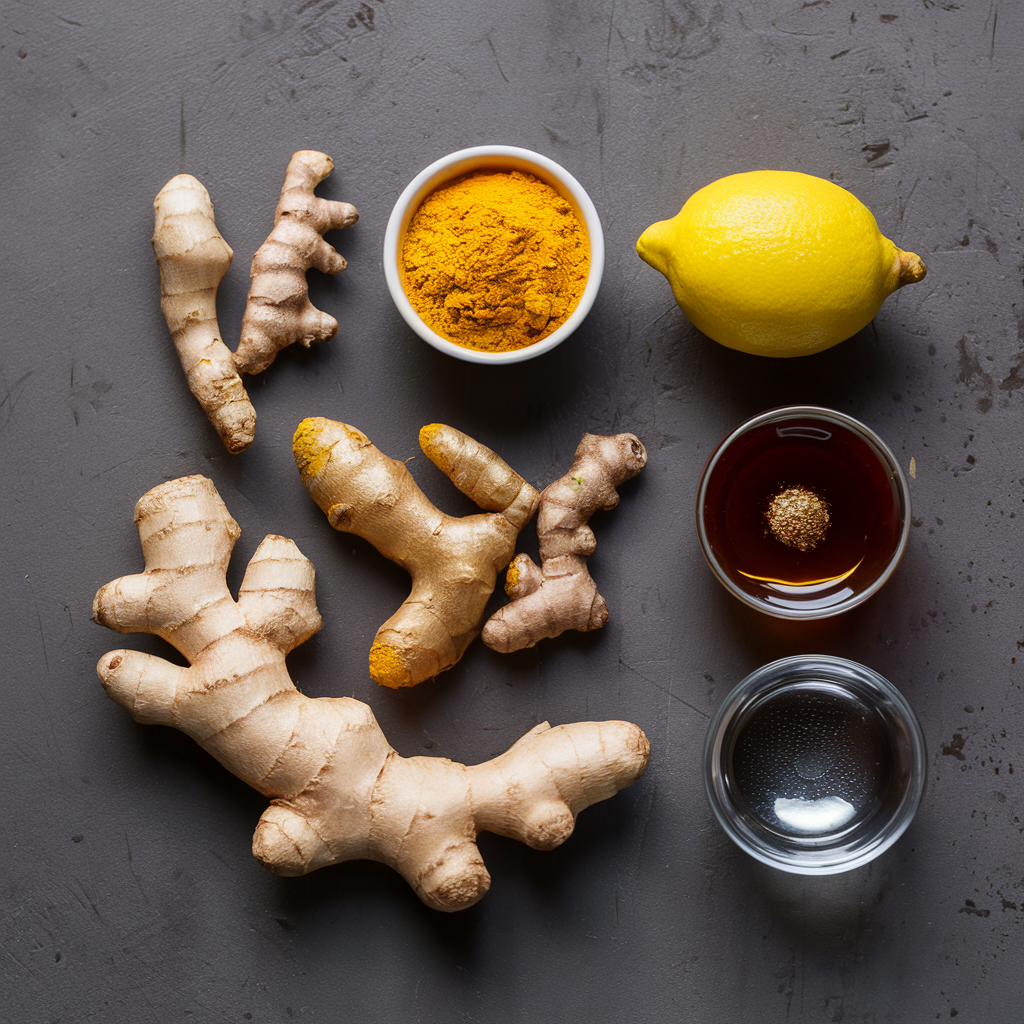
(278, 312)
(454, 563)
(193, 258)
(561, 594)
(338, 790)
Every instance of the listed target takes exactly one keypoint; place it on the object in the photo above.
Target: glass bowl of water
(814, 764)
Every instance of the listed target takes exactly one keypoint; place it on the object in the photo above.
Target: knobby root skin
(337, 790)
(560, 594)
(278, 312)
(453, 562)
(193, 258)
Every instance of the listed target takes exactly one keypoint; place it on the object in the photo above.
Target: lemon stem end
(909, 268)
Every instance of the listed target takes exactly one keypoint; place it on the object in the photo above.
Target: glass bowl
(814, 765)
(803, 512)
(501, 158)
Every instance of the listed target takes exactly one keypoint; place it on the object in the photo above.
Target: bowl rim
(462, 162)
(825, 668)
(797, 412)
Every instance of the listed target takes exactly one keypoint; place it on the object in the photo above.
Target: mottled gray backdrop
(127, 888)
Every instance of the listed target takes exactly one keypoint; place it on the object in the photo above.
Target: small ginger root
(338, 791)
(561, 594)
(193, 258)
(278, 312)
(454, 563)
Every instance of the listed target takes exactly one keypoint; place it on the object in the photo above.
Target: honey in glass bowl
(803, 512)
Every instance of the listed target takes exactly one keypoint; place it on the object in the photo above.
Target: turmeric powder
(495, 261)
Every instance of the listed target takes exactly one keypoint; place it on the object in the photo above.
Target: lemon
(777, 263)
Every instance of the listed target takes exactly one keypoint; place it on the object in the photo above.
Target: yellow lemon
(777, 263)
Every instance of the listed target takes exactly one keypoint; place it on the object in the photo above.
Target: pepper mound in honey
(495, 260)
(798, 518)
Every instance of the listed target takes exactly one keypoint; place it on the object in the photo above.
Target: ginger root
(278, 312)
(453, 562)
(338, 791)
(561, 594)
(193, 258)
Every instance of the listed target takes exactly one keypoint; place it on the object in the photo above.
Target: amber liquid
(840, 467)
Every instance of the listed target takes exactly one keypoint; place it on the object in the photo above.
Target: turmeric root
(453, 562)
(193, 258)
(561, 594)
(338, 791)
(278, 311)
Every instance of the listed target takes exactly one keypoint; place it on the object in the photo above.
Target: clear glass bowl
(811, 448)
(814, 764)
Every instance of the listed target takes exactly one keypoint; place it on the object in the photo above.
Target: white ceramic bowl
(499, 158)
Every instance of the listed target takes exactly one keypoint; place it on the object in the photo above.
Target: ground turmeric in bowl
(495, 261)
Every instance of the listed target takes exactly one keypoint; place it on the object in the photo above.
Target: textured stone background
(127, 889)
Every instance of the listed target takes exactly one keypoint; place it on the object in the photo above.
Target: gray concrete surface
(127, 888)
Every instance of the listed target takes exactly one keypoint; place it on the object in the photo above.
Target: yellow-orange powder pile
(495, 261)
